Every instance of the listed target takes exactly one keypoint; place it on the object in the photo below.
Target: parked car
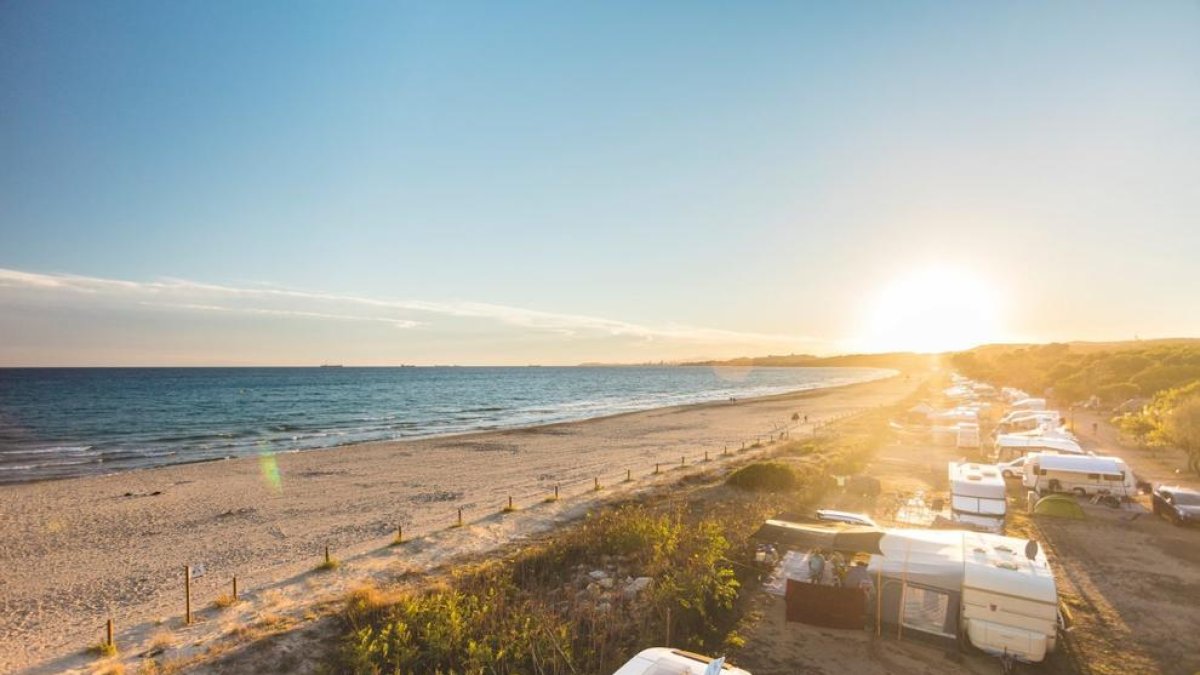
(845, 517)
(1179, 505)
(1012, 469)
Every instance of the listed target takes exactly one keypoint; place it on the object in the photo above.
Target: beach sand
(76, 552)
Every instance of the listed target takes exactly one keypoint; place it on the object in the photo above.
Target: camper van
(1011, 446)
(1083, 475)
(977, 497)
(1028, 420)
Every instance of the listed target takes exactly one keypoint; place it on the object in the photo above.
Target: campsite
(1126, 583)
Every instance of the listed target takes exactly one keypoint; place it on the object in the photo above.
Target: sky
(290, 183)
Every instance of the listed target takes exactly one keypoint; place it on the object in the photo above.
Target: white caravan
(1083, 475)
(1030, 404)
(1028, 420)
(977, 496)
(664, 661)
(997, 592)
(1012, 446)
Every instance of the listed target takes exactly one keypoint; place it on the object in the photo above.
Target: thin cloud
(182, 294)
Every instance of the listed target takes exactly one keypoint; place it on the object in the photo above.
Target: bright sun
(934, 310)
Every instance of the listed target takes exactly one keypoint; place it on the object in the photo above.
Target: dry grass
(116, 668)
(224, 601)
(162, 640)
(328, 565)
(103, 649)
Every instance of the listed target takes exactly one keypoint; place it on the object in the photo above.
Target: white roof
(1082, 463)
(956, 559)
(975, 480)
(1049, 442)
(664, 661)
(998, 564)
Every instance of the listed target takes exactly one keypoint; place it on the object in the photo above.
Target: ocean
(65, 422)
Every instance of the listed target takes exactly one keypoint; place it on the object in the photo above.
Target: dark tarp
(830, 536)
(829, 606)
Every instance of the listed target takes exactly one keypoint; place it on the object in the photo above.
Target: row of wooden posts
(596, 487)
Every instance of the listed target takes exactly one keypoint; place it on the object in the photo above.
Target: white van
(1083, 475)
(664, 661)
(977, 496)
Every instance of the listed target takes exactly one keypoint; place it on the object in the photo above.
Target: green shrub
(764, 477)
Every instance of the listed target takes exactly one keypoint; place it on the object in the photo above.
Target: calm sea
(62, 422)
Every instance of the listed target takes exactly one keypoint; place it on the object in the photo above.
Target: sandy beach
(79, 551)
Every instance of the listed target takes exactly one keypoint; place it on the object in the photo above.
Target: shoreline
(82, 549)
(495, 428)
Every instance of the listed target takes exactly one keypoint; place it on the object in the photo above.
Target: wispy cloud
(185, 295)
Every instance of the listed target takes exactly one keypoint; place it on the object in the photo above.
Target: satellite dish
(1031, 549)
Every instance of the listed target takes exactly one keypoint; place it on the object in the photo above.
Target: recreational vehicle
(977, 497)
(998, 592)
(1029, 404)
(664, 661)
(1012, 446)
(1028, 420)
(1083, 475)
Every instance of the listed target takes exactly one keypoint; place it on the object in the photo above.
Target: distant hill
(904, 361)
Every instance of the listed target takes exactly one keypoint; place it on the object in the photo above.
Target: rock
(637, 586)
(598, 574)
(604, 607)
(606, 583)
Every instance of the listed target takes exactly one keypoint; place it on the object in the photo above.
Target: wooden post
(460, 518)
(556, 492)
(326, 555)
(657, 468)
(399, 534)
(682, 461)
(597, 483)
(510, 508)
(187, 592)
(109, 632)
(706, 455)
(235, 588)
(628, 475)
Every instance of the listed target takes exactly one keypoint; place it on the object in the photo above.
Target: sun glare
(934, 310)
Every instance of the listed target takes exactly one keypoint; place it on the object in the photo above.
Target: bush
(764, 477)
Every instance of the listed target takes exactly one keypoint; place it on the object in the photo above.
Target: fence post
(459, 518)
(596, 481)
(683, 461)
(109, 632)
(556, 492)
(657, 468)
(706, 455)
(235, 588)
(326, 554)
(187, 592)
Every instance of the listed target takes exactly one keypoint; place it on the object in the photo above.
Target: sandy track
(78, 551)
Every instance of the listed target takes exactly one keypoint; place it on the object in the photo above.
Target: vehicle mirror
(1031, 549)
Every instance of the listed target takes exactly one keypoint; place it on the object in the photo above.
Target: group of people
(833, 569)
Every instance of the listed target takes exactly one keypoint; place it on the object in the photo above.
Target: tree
(1181, 427)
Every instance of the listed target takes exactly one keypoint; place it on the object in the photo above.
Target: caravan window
(1093, 476)
(1117, 478)
(925, 609)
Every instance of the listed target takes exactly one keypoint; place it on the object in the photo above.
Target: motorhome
(977, 496)
(1011, 446)
(1028, 420)
(1083, 475)
(1029, 404)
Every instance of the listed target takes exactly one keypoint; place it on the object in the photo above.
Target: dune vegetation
(672, 566)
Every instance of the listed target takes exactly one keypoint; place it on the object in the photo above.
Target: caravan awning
(804, 536)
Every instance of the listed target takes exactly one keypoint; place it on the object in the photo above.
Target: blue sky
(613, 181)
